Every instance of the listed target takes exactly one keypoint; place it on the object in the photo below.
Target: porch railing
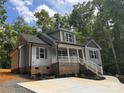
(95, 68)
(72, 59)
(98, 70)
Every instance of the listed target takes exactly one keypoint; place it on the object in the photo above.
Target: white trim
(78, 54)
(74, 39)
(40, 53)
(94, 43)
(93, 54)
(21, 46)
(68, 54)
(61, 36)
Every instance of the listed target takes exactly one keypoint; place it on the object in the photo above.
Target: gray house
(55, 53)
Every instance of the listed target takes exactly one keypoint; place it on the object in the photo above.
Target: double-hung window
(62, 52)
(40, 53)
(93, 54)
(69, 37)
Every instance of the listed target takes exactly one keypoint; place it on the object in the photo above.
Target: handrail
(92, 66)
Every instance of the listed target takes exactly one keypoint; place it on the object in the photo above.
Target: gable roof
(89, 42)
(47, 38)
(33, 39)
(61, 29)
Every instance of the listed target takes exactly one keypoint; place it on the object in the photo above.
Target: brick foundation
(41, 70)
(68, 68)
(14, 70)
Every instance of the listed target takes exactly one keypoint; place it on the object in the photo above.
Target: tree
(60, 22)
(8, 36)
(20, 26)
(44, 21)
(106, 26)
(2, 12)
(109, 26)
(81, 18)
(7, 40)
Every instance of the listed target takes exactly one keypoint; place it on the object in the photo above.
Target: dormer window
(69, 37)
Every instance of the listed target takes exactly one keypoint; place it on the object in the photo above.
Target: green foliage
(2, 12)
(20, 26)
(106, 27)
(44, 21)
(8, 36)
(7, 41)
(81, 18)
(48, 24)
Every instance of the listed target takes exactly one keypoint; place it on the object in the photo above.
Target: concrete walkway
(75, 85)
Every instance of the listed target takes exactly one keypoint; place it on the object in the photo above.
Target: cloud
(21, 6)
(76, 1)
(50, 11)
(28, 2)
(58, 6)
(73, 2)
(23, 10)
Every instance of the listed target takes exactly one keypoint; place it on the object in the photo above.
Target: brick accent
(68, 68)
(54, 69)
(15, 70)
(41, 70)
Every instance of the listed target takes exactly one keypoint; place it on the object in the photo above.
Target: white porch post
(83, 53)
(77, 55)
(68, 54)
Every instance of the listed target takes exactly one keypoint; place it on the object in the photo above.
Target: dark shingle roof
(47, 38)
(33, 39)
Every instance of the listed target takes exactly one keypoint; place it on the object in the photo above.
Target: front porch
(67, 60)
(71, 59)
(68, 55)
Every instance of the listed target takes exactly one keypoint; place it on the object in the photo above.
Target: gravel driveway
(8, 83)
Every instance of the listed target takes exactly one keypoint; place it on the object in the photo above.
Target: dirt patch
(5, 70)
(8, 82)
(6, 75)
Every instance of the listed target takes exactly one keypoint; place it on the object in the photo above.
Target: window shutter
(45, 53)
(37, 53)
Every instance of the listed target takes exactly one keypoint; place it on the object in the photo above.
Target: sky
(27, 8)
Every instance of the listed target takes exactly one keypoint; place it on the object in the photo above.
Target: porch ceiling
(69, 46)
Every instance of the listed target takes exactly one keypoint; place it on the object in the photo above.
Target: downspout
(57, 59)
(30, 51)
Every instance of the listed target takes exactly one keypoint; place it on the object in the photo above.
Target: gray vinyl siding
(56, 35)
(91, 44)
(97, 60)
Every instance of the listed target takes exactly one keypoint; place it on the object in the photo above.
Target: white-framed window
(41, 53)
(62, 52)
(93, 54)
(69, 37)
